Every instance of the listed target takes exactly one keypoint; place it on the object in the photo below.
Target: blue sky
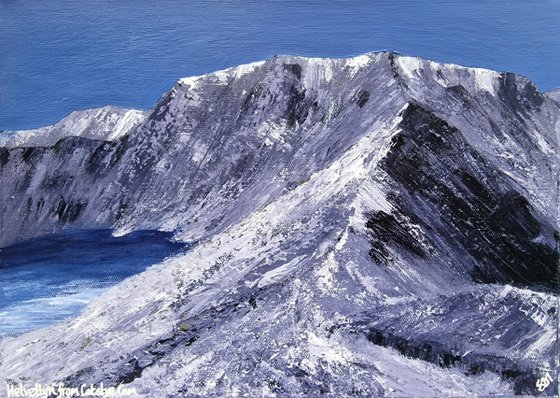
(58, 56)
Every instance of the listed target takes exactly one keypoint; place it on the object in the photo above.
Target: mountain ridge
(355, 65)
(352, 221)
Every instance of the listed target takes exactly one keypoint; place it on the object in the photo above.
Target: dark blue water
(59, 55)
(45, 280)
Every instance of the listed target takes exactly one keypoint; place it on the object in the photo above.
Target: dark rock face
(295, 69)
(479, 209)
(106, 156)
(387, 229)
(48, 192)
(297, 108)
(4, 156)
(437, 353)
(363, 97)
(513, 95)
(69, 212)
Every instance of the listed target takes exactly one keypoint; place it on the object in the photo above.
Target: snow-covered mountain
(370, 226)
(107, 123)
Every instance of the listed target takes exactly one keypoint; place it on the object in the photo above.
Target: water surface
(48, 279)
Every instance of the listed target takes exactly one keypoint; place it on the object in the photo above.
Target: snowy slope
(554, 94)
(380, 225)
(107, 123)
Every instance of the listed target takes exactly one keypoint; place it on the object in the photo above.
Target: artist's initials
(544, 382)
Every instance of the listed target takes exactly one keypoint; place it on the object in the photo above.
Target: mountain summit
(370, 226)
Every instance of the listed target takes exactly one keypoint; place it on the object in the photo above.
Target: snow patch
(357, 63)
(485, 79)
(409, 66)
